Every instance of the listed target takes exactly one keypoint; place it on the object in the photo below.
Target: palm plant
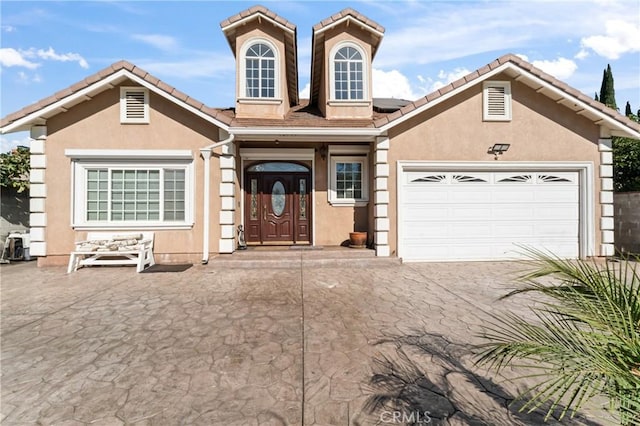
(584, 342)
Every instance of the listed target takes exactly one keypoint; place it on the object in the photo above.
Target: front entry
(277, 208)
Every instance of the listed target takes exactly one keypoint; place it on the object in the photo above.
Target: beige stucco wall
(247, 108)
(540, 130)
(345, 109)
(95, 124)
(334, 223)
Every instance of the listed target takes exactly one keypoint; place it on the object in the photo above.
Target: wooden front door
(277, 208)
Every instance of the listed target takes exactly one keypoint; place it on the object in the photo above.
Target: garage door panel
(559, 228)
(511, 195)
(458, 218)
(553, 195)
(556, 211)
(508, 212)
(459, 212)
(467, 230)
(417, 231)
(417, 213)
(512, 230)
(420, 196)
(468, 195)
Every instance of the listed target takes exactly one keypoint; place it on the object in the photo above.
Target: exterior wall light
(498, 149)
(323, 151)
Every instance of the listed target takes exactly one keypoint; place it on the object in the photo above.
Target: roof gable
(348, 16)
(106, 79)
(533, 77)
(229, 28)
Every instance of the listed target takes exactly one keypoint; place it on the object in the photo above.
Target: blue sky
(46, 46)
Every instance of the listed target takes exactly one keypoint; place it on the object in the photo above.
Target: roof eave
(309, 134)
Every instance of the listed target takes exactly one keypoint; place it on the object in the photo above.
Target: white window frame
(123, 105)
(507, 101)
(365, 76)
(242, 77)
(80, 168)
(348, 154)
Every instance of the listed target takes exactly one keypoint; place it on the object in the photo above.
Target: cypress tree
(627, 109)
(603, 85)
(607, 92)
(597, 98)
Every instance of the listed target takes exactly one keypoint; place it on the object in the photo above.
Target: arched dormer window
(348, 73)
(260, 71)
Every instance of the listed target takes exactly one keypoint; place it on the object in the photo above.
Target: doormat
(167, 268)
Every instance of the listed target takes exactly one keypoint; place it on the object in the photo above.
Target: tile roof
(257, 9)
(348, 12)
(305, 115)
(101, 75)
(508, 58)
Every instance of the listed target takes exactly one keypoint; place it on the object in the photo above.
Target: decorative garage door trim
(502, 175)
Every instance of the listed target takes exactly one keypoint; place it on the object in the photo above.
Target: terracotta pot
(358, 239)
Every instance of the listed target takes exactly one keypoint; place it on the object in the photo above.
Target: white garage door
(485, 215)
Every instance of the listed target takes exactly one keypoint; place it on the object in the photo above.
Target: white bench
(113, 248)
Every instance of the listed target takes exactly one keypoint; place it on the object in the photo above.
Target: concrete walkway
(215, 345)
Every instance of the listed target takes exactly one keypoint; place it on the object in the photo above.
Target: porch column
(607, 247)
(38, 191)
(381, 196)
(227, 199)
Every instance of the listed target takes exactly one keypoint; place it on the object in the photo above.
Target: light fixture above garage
(498, 149)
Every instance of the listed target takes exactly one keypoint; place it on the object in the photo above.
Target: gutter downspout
(206, 154)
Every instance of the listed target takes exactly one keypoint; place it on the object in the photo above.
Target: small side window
(349, 180)
(496, 97)
(134, 105)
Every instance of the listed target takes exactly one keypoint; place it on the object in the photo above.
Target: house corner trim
(227, 199)
(381, 197)
(605, 148)
(38, 191)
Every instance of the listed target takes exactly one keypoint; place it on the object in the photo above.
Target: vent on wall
(134, 105)
(497, 101)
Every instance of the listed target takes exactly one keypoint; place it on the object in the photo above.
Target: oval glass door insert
(278, 198)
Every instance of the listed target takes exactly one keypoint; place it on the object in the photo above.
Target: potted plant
(357, 239)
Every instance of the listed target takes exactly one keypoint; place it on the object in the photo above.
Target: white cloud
(582, 54)
(10, 57)
(392, 84)
(8, 28)
(561, 68)
(207, 65)
(17, 139)
(620, 37)
(306, 91)
(51, 54)
(158, 41)
(428, 84)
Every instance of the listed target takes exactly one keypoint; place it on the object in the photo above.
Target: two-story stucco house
(428, 179)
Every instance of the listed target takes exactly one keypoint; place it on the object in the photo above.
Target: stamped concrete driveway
(287, 346)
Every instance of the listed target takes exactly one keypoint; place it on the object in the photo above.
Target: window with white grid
(260, 71)
(348, 179)
(348, 74)
(122, 195)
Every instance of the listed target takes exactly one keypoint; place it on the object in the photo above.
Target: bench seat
(113, 248)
